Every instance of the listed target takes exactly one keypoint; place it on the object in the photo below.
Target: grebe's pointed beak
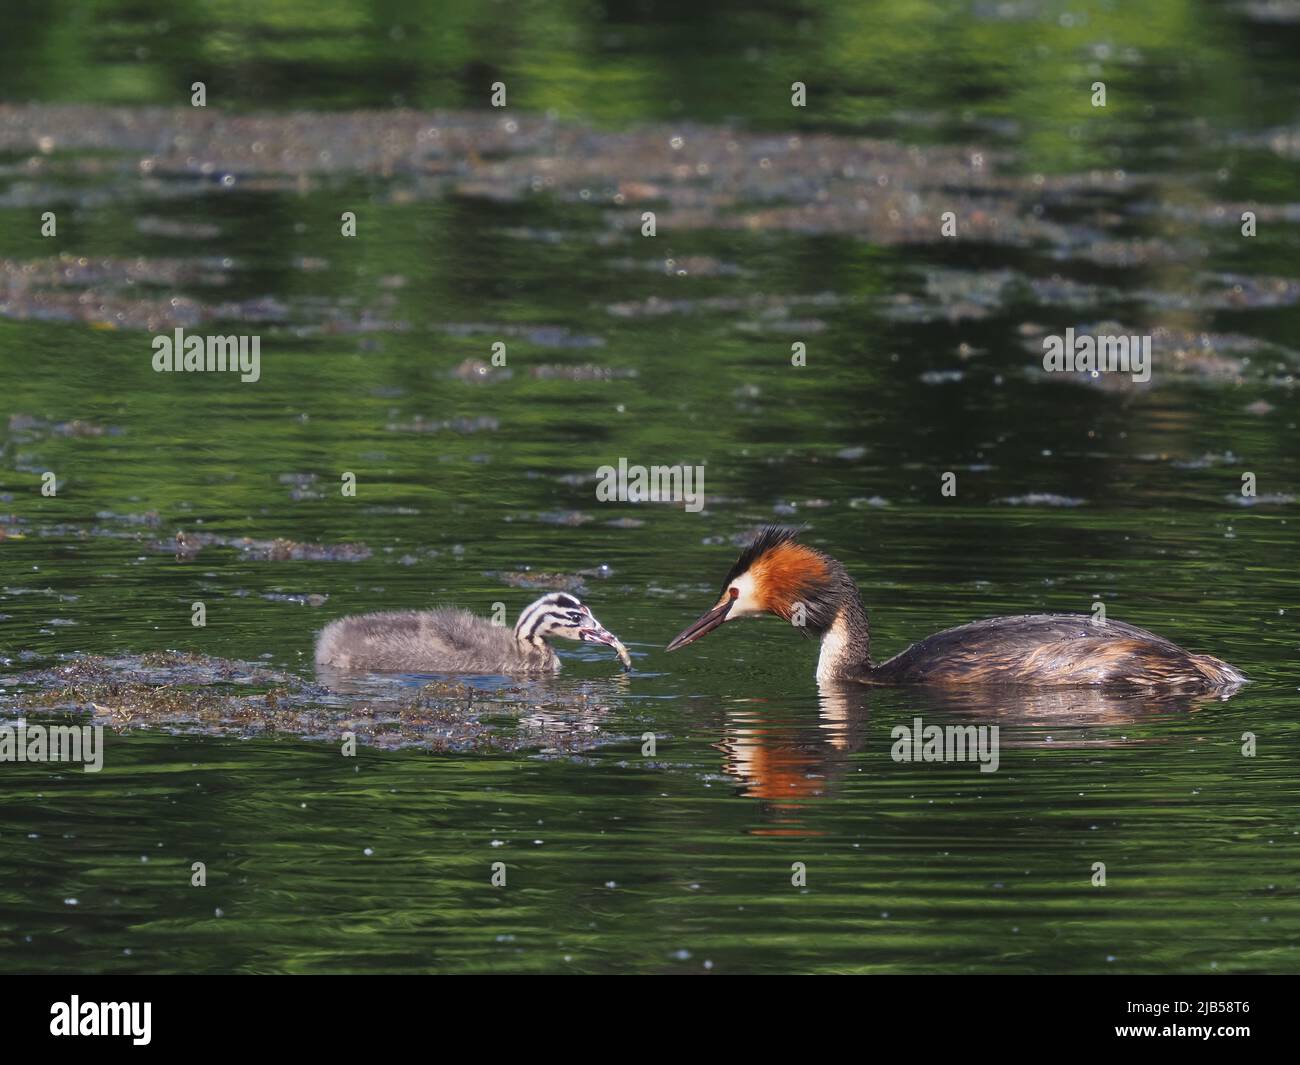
(702, 626)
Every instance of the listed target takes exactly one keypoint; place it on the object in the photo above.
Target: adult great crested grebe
(448, 640)
(777, 575)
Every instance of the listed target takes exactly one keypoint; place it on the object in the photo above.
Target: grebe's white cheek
(746, 604)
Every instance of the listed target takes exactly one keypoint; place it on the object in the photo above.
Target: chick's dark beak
(702, 626)
(595, 632)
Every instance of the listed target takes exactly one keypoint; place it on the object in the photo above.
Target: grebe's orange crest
(774, 574)
(783, 571)
(786, 575)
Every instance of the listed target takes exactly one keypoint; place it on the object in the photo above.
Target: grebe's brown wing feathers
(1054, 649)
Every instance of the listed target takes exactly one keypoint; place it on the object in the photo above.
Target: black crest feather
(768, 537)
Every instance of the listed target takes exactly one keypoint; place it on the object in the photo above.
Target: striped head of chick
(559, 614)
(776, 575)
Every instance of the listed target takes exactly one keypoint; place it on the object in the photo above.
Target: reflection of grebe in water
(794, 757)
(789, 760)
(777, 575)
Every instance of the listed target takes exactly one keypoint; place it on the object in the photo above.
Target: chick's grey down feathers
(446, 640)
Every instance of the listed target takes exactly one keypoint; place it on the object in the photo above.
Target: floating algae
(188, 544)
(202, 695)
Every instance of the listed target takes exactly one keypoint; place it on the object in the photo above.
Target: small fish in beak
(705, 624)
(597, 633)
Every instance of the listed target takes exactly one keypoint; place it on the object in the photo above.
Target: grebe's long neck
(846, 641)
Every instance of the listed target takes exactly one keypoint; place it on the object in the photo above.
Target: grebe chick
(777, 575)
(448, 640)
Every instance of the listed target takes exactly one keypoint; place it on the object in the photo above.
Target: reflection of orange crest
(780, 771)
(784, 576)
